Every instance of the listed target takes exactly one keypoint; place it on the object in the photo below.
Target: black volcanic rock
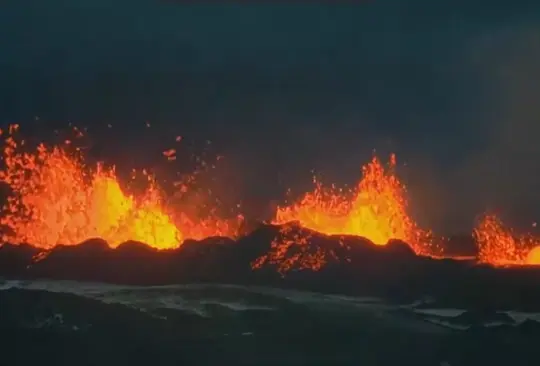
(79, 262)
(482, 317)
(134, 248)
(203, 260)
(15, 258)
(91, 247)
(94, 245)
(206, 248)
(354, 266)
(399, 247)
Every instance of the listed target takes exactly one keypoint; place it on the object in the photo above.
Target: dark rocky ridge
(391, 271)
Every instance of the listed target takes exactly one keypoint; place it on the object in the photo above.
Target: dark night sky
(284, 89)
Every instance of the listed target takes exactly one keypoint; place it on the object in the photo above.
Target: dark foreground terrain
(92, 305)
(91, 324)
(354, 267)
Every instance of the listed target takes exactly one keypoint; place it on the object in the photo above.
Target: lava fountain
(56, 199)
(375, 209)
(499, 245)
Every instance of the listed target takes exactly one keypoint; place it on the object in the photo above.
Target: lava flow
(498, 245)
(376, 209)
(56, 199)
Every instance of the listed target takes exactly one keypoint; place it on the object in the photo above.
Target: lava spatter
(375, 209)
(499, 245)
(56, 199)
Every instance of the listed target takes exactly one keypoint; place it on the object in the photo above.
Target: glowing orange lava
(56, 199)
(376, 209)
(533, 257)
(500, 246)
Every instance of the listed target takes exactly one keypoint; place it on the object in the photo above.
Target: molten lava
(56, 199)
(376, 209)
(498, 245)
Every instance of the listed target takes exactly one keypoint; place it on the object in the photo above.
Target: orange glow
(56, 199)
(533, 257)
(376, 209)
(498, 245)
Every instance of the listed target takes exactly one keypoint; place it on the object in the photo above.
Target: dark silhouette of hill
(354, 266)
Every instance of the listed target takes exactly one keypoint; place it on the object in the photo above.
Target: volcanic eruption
(499, 245)
(376, 209)
(56, 199)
